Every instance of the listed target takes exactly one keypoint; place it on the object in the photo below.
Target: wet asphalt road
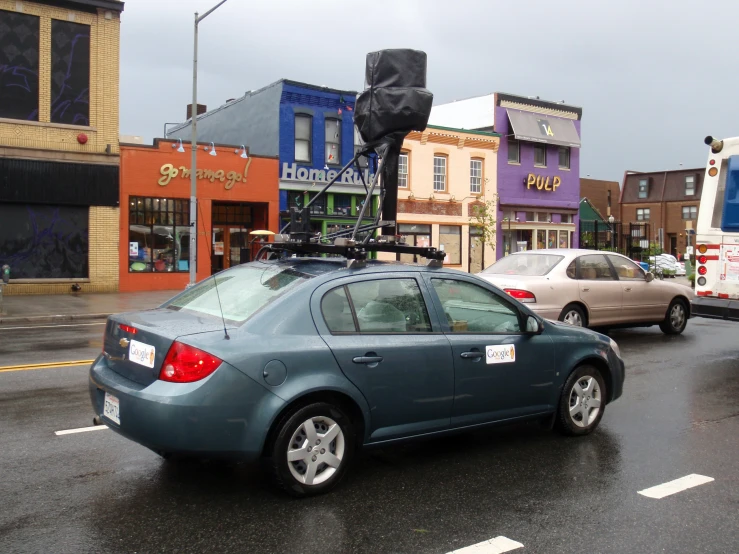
(97, 492)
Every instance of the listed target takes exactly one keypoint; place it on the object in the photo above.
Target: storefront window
(415, 235)
(318, 207)
(342, 204)
(450, 237)
(541, 239)
(158, 234)
(552, 240)
(563, 239)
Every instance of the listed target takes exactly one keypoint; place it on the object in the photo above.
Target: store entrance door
(232, 222)
(229, 241)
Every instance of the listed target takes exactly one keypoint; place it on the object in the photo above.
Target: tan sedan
(591, 289)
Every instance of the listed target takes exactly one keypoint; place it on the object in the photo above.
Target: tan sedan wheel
(573, 315)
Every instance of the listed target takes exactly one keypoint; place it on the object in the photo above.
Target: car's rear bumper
(715, 308)
(227, 414)
(546, 311)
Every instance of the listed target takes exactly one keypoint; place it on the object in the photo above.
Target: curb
(6, 320)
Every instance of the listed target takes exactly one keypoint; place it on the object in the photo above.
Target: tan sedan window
(594, 267)
(626, 269)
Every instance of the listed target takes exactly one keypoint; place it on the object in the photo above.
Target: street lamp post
(194, 145)
(611, 219)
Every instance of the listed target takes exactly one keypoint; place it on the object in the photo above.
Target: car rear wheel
(574, 315)
(582, 402)
(676, 318)
(311, 449)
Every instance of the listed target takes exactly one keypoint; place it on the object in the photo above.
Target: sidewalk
(77, 306)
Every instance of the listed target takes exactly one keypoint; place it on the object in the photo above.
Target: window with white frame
(475, 176)
(642, 214)
(403, 171)
(564, 157)
(303, 125)
(439, 173)
(358, 144)
(333, 141)
(690, 185)
(690, 212)
(643, 188)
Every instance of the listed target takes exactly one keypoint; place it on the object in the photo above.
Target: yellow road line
(48, 365)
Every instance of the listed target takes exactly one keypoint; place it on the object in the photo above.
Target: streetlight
(611, 219)
(194, 145)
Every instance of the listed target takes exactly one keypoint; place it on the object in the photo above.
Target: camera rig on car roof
(394, 103)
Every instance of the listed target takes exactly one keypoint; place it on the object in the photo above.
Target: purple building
(538, 169)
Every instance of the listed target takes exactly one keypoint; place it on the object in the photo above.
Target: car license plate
(111, 408)
(141, 353)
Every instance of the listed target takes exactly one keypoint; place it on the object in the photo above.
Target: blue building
(311, 129)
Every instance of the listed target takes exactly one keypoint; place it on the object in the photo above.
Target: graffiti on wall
(70, 73)
(44, 242)
(19, 63)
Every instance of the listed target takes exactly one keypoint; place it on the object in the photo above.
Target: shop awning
(543, 128)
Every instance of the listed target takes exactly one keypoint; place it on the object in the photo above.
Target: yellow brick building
(59, 156)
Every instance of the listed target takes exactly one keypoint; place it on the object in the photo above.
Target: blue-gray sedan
(301, 361)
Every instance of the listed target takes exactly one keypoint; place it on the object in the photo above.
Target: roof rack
(296, 237)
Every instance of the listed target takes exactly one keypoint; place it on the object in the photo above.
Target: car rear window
(524, 264)
(243, 291)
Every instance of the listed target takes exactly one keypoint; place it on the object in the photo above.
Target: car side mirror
(533, 325)
(649, 277)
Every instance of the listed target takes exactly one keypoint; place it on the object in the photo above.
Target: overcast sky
(653, 77)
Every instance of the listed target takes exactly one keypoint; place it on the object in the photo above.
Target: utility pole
(194, 145)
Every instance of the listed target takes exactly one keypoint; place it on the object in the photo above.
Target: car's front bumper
(715, 308)
(227, 414)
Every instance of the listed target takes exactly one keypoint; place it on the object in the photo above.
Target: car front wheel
(676, 318)
(582, 402)
(311, 449)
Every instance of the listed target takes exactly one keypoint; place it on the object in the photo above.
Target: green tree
(483, 215)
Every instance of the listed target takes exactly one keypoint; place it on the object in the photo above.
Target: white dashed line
(678, 485)
(81, 430)
(498, 545)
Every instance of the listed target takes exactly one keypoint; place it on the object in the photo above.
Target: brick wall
(596, 191)
(104, 81)
(104, 231)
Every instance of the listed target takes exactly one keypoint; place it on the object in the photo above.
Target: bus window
(730, 212)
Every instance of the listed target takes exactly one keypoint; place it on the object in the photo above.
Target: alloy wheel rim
(573, 318)
(677, 316)
(585, 401)
(315, 450)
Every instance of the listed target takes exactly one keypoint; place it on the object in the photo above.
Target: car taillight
(702, 259)
(702, 270)
(186, 364)
(521, 295)
(127, 329)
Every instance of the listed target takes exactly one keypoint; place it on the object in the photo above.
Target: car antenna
(218, 296)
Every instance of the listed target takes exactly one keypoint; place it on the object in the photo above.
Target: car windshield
(243, 291)
(524, 264)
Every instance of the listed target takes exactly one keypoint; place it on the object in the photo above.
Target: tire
(572, 314)
(676, 318)
(317, 468)
(584, 387)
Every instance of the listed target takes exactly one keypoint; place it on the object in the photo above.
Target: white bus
(717, 234)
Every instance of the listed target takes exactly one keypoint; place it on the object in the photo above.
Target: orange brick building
(237, 194)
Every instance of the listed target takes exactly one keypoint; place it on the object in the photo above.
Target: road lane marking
(678, 485)
(81, 430)
(50, 326)
(498, 545)
(47, 365)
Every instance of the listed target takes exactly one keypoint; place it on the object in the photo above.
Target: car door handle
(586, 289)
(367, 359)
(473, 355)
(627, 289)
